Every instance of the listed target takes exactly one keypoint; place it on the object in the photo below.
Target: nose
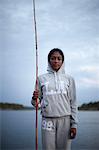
(56, 60)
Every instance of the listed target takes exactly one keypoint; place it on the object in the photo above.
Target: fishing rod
(36, 47)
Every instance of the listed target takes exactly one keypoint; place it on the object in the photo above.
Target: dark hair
(55, 50)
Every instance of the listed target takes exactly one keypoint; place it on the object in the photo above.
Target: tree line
(89, 106)
(14, 106)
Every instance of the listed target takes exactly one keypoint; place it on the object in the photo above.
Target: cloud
(91, 69)
(89, 82)
(89, 76)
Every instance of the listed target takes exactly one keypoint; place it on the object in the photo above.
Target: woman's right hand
(34, 98)
(35, 94)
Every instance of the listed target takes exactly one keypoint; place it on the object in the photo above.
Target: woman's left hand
(72, 133)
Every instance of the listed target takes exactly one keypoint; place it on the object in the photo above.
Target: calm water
(18, 131)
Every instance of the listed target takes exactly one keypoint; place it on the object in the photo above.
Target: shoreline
(92, 106)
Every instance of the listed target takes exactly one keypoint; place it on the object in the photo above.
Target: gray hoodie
(58, 95)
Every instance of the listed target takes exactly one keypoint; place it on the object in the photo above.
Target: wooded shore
(14, 106)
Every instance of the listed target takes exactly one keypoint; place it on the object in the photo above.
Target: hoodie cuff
(74, 125)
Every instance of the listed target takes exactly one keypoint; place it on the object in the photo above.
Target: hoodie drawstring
(56, 81)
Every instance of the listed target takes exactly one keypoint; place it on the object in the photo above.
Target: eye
(59, 58)
(52, 58)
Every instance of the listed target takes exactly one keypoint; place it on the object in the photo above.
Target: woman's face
(56, 61)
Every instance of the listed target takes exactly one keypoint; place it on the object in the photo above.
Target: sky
(71, 25)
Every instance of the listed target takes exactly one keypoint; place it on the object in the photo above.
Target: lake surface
(17, 130)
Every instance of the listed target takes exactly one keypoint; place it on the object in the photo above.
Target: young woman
(57, 97)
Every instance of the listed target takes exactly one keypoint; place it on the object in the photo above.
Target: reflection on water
(18, 130)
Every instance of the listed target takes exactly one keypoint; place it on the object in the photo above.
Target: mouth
(56, 66)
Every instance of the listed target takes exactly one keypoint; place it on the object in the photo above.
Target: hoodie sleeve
(33, 102)
(73, 104)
